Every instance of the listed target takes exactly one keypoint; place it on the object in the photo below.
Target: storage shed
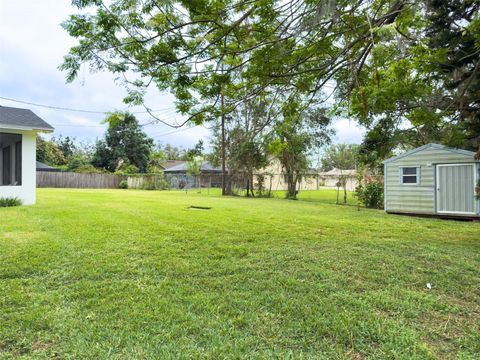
(433, 180)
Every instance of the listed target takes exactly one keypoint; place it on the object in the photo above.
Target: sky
(32, 46)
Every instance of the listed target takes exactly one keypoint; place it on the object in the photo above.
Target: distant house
(167, 164)
(274, 177)
(18, 134)
(332, 177)
(311, 180)
(182, 168)
(210, 176)
(433, 179)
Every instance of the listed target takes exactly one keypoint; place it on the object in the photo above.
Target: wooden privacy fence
(46, 179)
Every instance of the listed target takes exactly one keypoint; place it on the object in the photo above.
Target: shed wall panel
(419, 197)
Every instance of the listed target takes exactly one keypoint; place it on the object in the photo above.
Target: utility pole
(224, 173)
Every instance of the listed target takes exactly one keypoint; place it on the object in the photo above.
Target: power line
(164, 112)
(150, 135)
(78, 110)
(176, 131)
(140, 124)
(147, 123)
(75, 125)
(103, 125)
(171, 132)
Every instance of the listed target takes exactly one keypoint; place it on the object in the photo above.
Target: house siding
(275, 176)
(417, 198)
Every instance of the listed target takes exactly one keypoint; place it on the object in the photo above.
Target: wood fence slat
(49, 179)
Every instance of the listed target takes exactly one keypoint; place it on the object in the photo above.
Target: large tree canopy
(198, 49)
(295, 138)
(340, 156)
(421, 82)
(407, 67)
(125, 145)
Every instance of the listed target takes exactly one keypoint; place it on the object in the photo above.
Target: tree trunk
(271, 184)
(251, 187)
(291, 186)
(228, 188)
(298, 181)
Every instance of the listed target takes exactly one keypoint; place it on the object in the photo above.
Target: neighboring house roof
(171, 163)
(44, 167)
(428, 146)
(23, 119)
(339, 172)
(181, 168)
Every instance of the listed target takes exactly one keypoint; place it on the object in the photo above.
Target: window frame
(14, 171)
(18, 162)
(7, 172)
(416, 175)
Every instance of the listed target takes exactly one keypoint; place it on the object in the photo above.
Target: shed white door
(455, 188)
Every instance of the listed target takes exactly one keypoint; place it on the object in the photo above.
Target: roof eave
(431, 145)
(26, 128)
(43, 130)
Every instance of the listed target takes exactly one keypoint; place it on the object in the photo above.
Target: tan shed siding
(477, 179)
(417, 198)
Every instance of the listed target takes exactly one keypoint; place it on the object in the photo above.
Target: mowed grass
(124, 274)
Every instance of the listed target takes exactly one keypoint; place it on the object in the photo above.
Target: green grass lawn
(124, 274)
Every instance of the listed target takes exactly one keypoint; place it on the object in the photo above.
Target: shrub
(123, 184)
(127, 169)
(76, 162)
(154, 182)
(261, 188)
(9, 202)
(89, 169)
(148, 184)
(182, 184)
(371, 194)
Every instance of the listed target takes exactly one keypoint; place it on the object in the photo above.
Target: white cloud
(348, 131)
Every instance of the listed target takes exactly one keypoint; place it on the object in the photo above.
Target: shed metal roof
(427, 146)
(167, 164)
(16, 118)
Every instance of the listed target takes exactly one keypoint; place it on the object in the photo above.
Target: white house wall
(27, 191)
(274, 176)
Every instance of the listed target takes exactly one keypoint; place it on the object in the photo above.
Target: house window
(410, 175)
(10, 159)
(18, 163)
